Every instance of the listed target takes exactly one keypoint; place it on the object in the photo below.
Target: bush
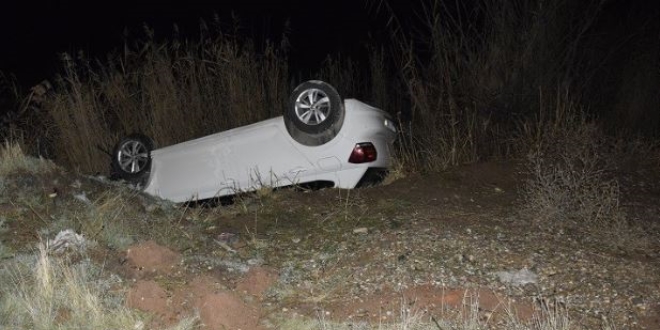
(571, 179)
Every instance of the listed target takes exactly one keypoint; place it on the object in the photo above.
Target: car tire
(131, 158)
(315, 113)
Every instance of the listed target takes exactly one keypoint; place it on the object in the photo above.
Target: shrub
(569, 166)
(571, 181)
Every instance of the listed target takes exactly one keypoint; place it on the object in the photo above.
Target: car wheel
(315, 113)
(131, 158)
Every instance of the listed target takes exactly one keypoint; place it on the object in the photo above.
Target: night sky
(33, 33)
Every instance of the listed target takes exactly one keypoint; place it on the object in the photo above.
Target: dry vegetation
(172, 91)
(518, 86)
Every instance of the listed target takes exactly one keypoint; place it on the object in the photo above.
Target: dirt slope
(429, 245)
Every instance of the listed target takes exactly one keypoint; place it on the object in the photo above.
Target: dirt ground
(431, 245)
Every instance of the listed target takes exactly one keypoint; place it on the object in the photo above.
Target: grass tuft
(45, 293)
(13, 159)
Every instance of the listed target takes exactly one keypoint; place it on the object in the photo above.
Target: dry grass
(468, 317)
(5, 252)
(47, 292)
(172, 91)
(13, 159)
(469, 85)
(42, 290)
(459, 89)
(570, 167)
(461, 80)
(572, 182)
(113, 218)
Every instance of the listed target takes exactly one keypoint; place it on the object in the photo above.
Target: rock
(517, 278)
(361, 230)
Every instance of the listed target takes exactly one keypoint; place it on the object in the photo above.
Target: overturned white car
(319, 139)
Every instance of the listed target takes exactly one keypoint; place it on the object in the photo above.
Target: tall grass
(172, 91)
(461, 78)
(21, 118)
(473, 73)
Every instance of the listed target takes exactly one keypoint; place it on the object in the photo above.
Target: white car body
(265, 155)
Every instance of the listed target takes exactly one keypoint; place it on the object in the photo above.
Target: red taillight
(363, 153)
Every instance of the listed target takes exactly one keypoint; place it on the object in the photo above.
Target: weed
(571, 181)
(13, 159)
(48, 292)
(60, 295)
(5, 251)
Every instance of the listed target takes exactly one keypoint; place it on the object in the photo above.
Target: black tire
(315, 113)
(131, 158)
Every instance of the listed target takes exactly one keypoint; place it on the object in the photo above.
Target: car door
(264, 155)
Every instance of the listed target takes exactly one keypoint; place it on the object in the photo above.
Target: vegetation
(45, 293)
(520, 84)
(172, 91)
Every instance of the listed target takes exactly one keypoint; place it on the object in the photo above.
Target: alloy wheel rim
(312, 107)
(133, 157)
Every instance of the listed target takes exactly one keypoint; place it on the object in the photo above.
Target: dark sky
(33, 33)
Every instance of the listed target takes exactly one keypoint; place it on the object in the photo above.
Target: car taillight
(363, 153)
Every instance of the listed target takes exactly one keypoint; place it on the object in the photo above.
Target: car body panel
(264, 155)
